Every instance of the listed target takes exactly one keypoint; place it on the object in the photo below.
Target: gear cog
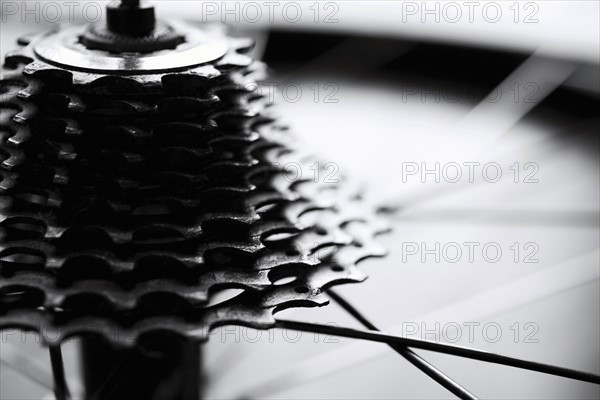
(135, 185)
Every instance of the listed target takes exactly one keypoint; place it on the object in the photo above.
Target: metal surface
(136, 186)
(131, 18)
(63, 49)
(115, 373)
(61, 390)
(123, 215)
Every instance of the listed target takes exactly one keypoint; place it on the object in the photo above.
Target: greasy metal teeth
(249, 308)
(113, 297)
(129, 199)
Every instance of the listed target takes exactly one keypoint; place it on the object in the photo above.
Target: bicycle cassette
(140, 173)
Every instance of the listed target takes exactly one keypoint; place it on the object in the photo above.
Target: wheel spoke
(584, 219)
(61, 389)
(480, 355)
(408, 354)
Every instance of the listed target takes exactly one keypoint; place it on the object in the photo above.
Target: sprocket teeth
(128, 199)
(194, 293)
(246, 309)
